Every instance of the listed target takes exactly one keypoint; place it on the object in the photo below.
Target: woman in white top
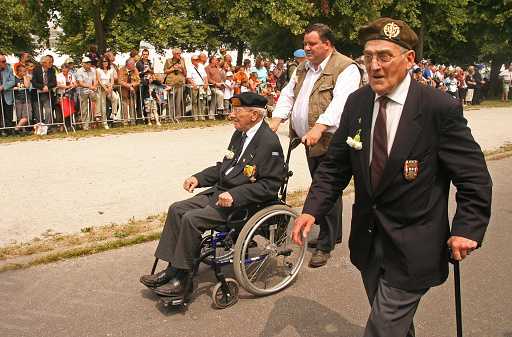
(65, 82)
(105, 74)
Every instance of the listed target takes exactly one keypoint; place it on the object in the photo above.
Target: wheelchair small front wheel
(222, 300)
(265, 259)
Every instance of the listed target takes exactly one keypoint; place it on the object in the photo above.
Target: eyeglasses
(381, 58)
(237, 111)
(3, 61)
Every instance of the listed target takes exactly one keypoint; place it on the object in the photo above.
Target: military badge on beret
(236, 101)
(391, 30)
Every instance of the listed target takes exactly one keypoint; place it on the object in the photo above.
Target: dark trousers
(392, 309)
(142, 93)
(331, 226)
(6, 113)
(477, 94)
(186, 221)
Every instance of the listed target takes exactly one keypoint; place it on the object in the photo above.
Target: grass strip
(84, 251)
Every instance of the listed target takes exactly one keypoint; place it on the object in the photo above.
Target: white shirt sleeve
(347, 82)
(286, 99)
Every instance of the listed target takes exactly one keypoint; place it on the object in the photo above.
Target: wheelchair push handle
(294, 142)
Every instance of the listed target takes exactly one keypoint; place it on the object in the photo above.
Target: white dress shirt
(250, 135)
(394, 110)
(346, 83)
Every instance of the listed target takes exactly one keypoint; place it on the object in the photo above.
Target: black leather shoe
(156, 280)
(173, 288)
(319, 258)
(314, 242)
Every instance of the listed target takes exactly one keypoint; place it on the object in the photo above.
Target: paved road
(100, 295)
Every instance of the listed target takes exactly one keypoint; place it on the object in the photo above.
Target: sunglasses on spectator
(3, 61)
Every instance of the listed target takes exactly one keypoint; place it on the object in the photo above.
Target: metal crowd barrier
(40, 112)
(178, 103)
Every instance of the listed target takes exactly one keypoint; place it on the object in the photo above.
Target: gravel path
(63, 185)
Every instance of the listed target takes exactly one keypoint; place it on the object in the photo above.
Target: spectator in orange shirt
(239, 75)
(24, 57)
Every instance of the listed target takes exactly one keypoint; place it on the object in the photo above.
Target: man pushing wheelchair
(251, 171)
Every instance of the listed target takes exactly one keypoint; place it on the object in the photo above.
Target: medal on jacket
(250, 171)
(411, 169)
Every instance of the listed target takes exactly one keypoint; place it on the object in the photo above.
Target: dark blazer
(37, 78)
(411, 216)
(265, 152)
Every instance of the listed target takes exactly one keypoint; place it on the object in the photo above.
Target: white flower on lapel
(295, 78)
(356, 141)
(229, 154)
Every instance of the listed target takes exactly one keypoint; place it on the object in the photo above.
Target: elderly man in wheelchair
(251, 173)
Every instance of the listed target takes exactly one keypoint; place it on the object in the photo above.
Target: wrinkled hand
(45, 89)
(314, 134)
(274, 123)
(225, 200)
(461, 247)
(304, 220)
(190, 184)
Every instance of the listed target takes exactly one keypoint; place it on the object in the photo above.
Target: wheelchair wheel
(222, 301)
(266, 260)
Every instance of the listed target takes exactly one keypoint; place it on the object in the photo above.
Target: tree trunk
(421, 37)
(102, 26)
(99, 31)
(240, 53)
(496, 64)
(298, 41)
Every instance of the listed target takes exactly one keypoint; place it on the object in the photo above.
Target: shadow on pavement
(308, 318)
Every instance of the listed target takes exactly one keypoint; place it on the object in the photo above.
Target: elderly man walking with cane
(404, 143)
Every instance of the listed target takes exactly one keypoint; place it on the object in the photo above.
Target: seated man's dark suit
(188, 219)
(406, 221)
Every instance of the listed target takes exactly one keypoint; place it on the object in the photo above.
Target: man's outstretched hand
(304, 220)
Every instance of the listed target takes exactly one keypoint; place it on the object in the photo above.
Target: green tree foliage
(18, 26)
(120, 25)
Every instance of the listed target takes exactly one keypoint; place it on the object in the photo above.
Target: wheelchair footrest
(167, 300)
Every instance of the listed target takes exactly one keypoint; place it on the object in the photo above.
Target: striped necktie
(238, 153)
(380, 144)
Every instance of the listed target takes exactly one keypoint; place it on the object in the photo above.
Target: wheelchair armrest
(237, 219)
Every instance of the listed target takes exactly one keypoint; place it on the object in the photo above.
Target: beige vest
(322, 94)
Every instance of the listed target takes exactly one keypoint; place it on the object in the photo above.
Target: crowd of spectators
(467, 85)
(100, 93)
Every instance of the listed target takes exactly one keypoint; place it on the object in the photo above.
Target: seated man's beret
(395, 31)
(249, 99)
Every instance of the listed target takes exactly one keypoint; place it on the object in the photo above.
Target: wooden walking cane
(458, 302)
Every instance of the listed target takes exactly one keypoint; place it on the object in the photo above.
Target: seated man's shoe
(157, 280)
(174, 288)
(314, 242)
(319, 258)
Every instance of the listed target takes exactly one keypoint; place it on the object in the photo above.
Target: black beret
(388, 29)
(250, 99)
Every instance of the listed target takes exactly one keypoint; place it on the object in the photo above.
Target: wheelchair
(256, 241)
